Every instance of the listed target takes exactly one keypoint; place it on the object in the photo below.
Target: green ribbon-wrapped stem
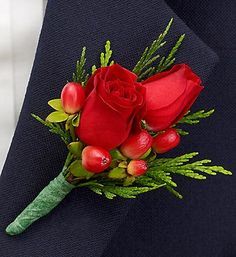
(46, 200)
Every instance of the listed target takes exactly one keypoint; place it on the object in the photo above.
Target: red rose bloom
(114, 100)
(169, 95)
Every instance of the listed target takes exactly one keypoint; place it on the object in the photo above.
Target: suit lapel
(84, 223)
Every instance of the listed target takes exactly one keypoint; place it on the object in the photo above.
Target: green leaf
(123, 164)
(56, 104)
(129, 180)
(117, 155)
(146, 154)
(76, 148)
(75, 120)
(57, 117)
(117, 173)
(78, 171)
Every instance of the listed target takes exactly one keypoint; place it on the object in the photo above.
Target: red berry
(137, 167)
(136, 145)
(95, 159)
(72, 97)
(166, 141)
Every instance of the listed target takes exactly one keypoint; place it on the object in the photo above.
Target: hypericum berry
(137, 167)
(72, 97)
(136, 145)
(166, 141)
(95, 159)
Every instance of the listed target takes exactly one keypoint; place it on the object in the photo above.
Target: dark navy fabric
(87, 225)
(203, 224)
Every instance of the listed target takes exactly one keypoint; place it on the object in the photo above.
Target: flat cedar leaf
(56, 104)
(174, 192)
(57, 116)
(194, 118)
(182, 132)
(105, 56)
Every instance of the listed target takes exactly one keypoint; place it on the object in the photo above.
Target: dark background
(157, 224)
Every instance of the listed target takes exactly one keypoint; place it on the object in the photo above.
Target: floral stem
(43, 204)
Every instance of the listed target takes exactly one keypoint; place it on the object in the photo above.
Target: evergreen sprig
(159, 175)
(166, 62)
(55, 128)
(80, 74)
(113, 190)
(105, 56)
(194, 118)
(144, 67)
(149, 54)
(161, 170)
(182, 132)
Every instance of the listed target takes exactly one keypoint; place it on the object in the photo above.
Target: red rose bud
(136, 145)
(169, 95)
(114, 101)
(137, 167)
(166, 141)
(72, 97)
(95, 159)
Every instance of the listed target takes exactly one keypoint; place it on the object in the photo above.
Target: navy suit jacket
(156, 224)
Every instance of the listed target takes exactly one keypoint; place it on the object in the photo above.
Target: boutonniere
(117, 124)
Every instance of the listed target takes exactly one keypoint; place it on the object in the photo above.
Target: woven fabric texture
(84, 223)
(203, 223)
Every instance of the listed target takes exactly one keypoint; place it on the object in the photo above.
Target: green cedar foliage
(194, 118)
(145, 68)
(80, 74)
(55, 128)
(162, 170)
(160, 174)
(105, 57)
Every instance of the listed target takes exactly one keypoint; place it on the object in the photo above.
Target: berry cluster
(135, 149)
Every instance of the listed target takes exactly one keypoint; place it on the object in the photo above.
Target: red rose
(169, 95)
(114, 100)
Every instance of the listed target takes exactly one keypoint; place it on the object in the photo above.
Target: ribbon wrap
(44, 203)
